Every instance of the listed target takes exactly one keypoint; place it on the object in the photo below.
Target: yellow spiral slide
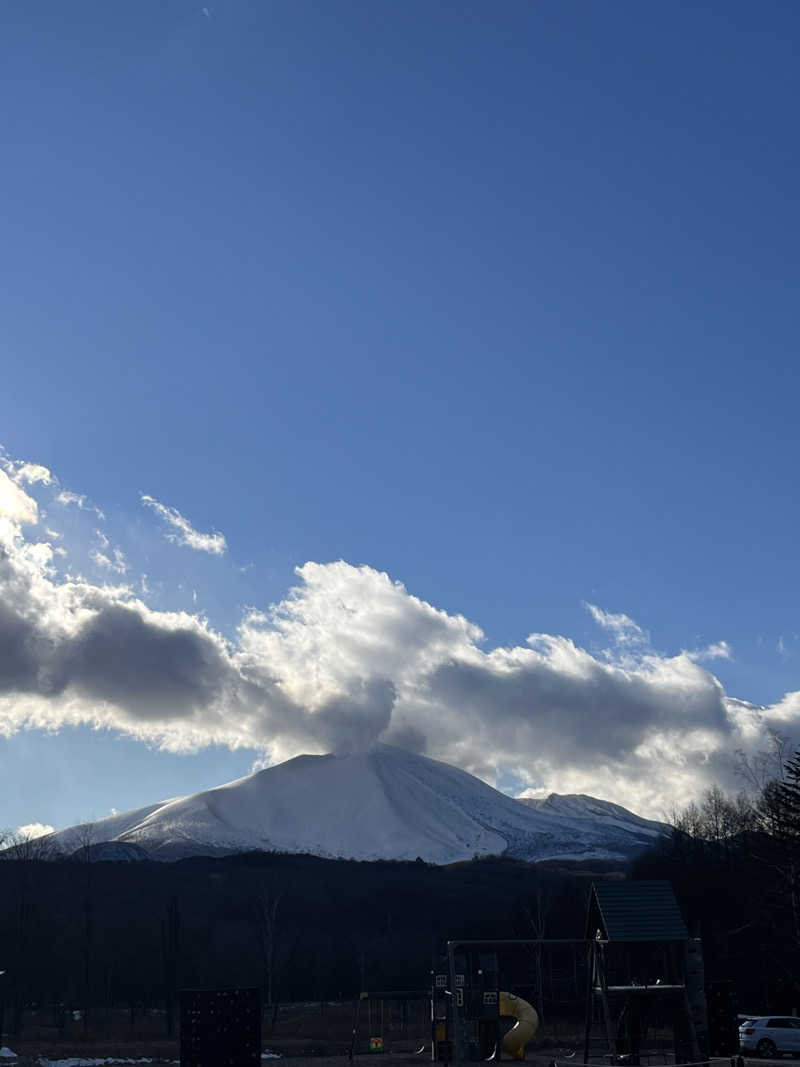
(523, 1029)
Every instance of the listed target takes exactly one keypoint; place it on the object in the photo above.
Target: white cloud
(623, 627)
(22, 472)
(719, 650)
(35, 829)
(107, 557)
(15, 504)
(31, 473)
(115, 562)
(185, 534)
(67, 498)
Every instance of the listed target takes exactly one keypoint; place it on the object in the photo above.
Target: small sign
(459, 981)
(490, 998)
(441, 981)
(376, 1044)
(460, 998)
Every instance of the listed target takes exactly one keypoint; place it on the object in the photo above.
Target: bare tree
(84, 840)
(768, 764)
(17, 846)
(26, 855)
(170, 950)
(717, 817)
(537, 914)
(266, 906)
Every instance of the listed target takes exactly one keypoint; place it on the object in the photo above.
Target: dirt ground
(306, 1035)
(167, 1056)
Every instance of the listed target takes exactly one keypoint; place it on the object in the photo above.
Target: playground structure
(467, 1005)
(643, 968)
(644, 986)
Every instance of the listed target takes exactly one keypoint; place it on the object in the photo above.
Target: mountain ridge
(385, 803)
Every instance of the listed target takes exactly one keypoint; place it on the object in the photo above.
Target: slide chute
(523, 1029)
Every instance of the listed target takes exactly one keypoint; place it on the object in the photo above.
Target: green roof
(636, 911)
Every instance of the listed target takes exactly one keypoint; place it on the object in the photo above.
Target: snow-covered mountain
(383, 804)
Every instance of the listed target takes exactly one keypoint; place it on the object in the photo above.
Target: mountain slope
(383, 804)
(581, 806)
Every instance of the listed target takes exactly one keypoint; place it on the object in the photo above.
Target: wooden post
(458, 1051)
(612, 1040)
(590, 954)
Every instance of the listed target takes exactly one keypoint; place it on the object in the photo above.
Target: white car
(770, 1035)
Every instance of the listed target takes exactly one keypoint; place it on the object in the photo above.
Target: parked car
(770, 1035)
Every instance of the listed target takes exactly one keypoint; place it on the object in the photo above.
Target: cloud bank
(350, 657)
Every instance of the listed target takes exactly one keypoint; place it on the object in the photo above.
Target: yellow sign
(376, 1044)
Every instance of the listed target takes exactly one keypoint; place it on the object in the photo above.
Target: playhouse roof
(635, 911)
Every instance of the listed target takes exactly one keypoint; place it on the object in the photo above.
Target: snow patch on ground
(83, 1061)
(106, 1061)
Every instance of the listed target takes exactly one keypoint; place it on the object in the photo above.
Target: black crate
(220, 1027)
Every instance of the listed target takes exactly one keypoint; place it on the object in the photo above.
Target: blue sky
(495, 299)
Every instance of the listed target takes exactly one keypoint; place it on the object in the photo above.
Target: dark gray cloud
(355, 721)
(117, 654)
(600, 712)
(121, 657)
(19, 662)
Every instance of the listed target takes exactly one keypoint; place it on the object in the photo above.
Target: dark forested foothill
(84, 935)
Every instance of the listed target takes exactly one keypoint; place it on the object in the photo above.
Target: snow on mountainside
(383, 804)
(578, 805)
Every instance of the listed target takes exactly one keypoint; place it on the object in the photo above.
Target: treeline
(81, 935)
(734, 862)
